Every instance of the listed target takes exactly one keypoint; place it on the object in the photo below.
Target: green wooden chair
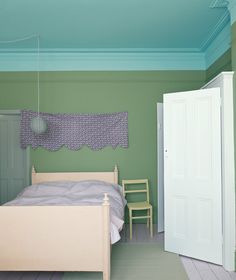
(136, 206)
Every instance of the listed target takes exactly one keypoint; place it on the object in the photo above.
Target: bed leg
(106, 275)
(107, 242)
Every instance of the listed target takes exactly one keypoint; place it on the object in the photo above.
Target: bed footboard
(55, 238)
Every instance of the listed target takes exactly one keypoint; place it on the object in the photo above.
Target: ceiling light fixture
(38, 125)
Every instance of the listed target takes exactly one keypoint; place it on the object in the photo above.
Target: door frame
(18, 112)
(160, 169)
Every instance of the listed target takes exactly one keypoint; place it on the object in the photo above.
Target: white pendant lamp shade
(38, 125)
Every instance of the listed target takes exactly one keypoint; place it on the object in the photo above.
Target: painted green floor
(138, 262)
(196, 270)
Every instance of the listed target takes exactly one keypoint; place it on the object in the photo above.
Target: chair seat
(139, 205)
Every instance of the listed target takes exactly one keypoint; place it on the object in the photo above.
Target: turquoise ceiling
(110, 24)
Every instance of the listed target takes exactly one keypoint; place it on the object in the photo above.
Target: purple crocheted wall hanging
(76, 130)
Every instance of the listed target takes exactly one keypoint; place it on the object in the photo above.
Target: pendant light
(38, 125)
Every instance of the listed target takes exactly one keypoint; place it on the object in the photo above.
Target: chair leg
(151, 224)
(148, 220)
(130, 225)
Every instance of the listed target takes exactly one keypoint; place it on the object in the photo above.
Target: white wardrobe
(196, 184)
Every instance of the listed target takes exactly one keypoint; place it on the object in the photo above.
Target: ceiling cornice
(99, 50)
(219, 4)
(118, 59)
(224, 20)
(219, 46)
(103, 61)
(232, 10)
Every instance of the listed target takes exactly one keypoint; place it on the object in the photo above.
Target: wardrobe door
(14, 175)
(192, 174)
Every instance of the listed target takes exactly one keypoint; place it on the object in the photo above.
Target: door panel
(192, 174)
(13, 160)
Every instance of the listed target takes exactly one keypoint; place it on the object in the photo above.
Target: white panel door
(192, 174)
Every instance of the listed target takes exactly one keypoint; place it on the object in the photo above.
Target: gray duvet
(89, 192)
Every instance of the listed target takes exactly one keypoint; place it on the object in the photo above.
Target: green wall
(98, 92)
(95, 92)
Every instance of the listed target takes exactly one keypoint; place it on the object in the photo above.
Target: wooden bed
(57, 238)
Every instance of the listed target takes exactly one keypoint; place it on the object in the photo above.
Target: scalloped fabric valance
(76, 130)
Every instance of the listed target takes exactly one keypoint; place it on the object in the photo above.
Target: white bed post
(116, 174)
(107, 243)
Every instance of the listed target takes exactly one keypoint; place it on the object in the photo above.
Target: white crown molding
(102, 61)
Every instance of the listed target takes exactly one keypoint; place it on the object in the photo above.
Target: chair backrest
(136, 182)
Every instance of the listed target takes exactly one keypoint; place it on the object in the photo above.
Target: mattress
(66, 193)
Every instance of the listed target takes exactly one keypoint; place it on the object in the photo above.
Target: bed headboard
(111, 177)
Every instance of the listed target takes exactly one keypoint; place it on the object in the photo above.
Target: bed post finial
(33, 175)
(116, 174)
(106, 200)
(33, 169)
